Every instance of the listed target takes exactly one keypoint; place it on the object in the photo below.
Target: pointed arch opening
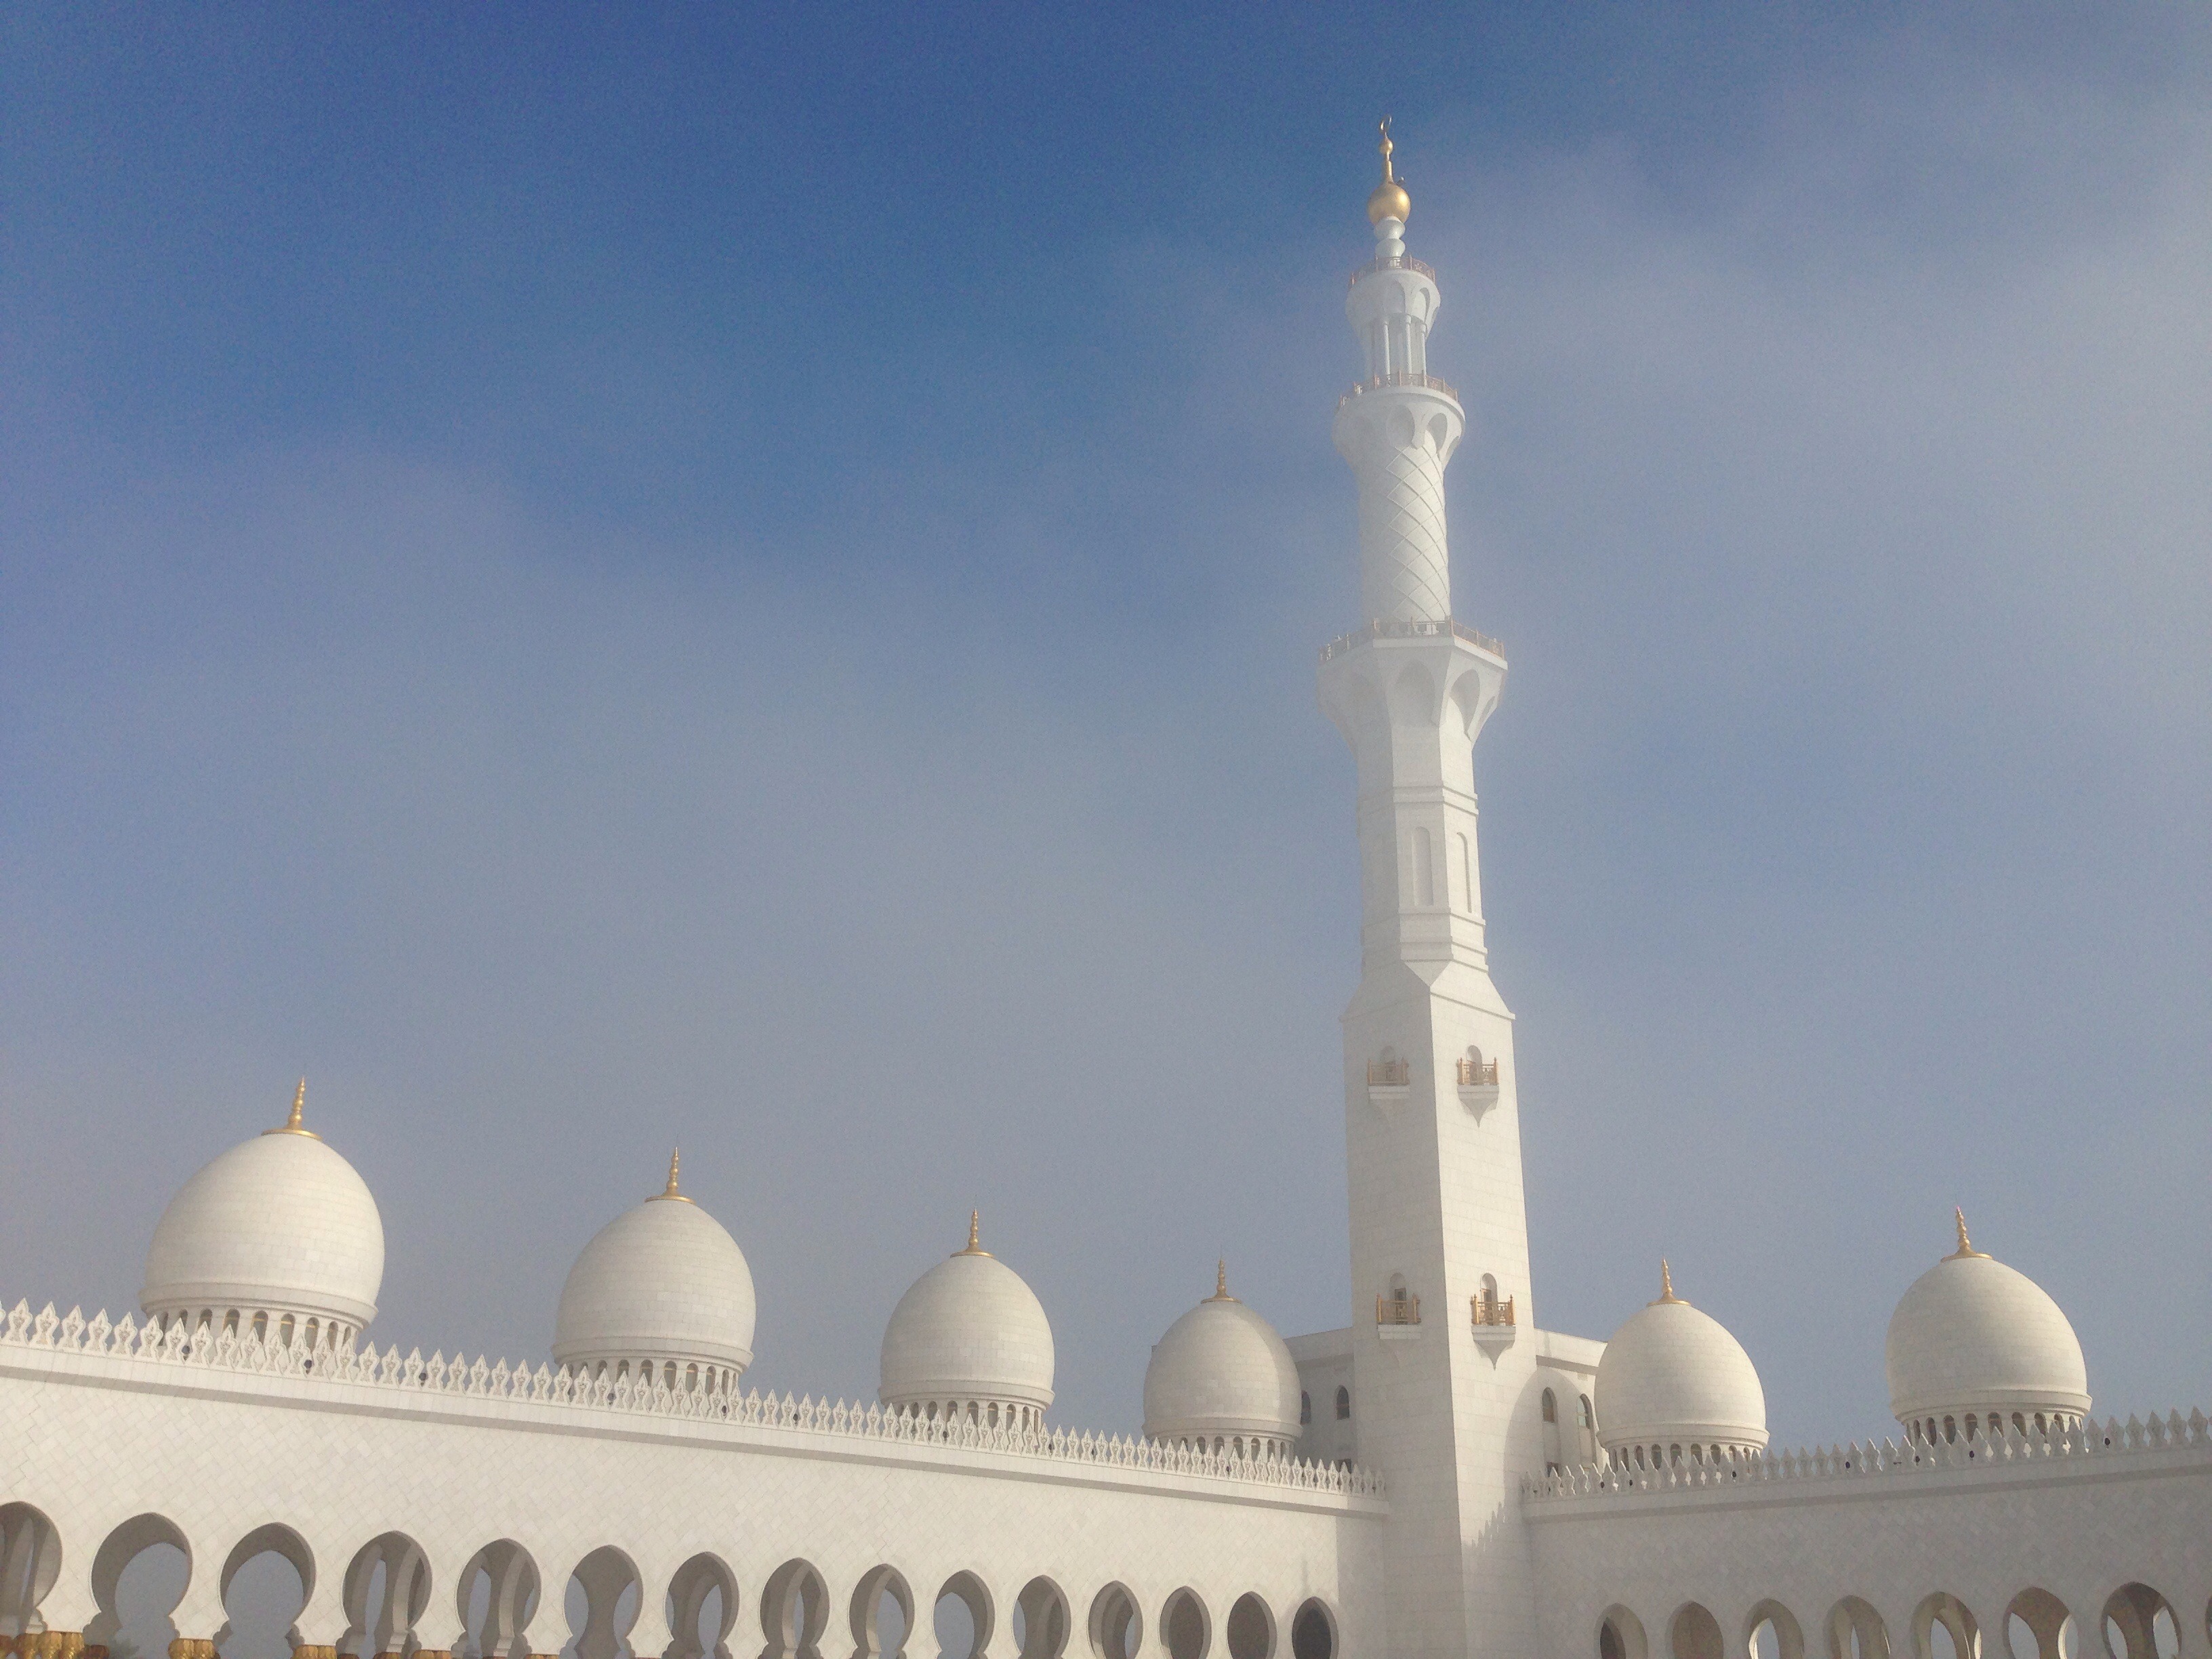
(139, 1574)
(1856, 1631)
(1251, 1628)
(1186, 1627)
(1313, 1630)
(1771, 1631)
(1117, 1626)
(496, 1596)
(1620, 1634)
(2038, 1626)
(386, 1592)
(882, 1614)
(2140, 1623)
(794, 1612)
(604, 1597)
(30, 1561)
(702, 1608)
(962, 1618)
(266, 1583)
(1694, 1633)
(1041, 1621)
(1943, 1628)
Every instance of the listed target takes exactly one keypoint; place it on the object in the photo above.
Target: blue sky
(589, 578)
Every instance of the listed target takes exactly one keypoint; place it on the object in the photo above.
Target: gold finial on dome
(1390, 200)
(292, 1124)
(1965, 1250)
(974, 1236)
(675, 1164)
(1221, 1282)
(1667, 1284)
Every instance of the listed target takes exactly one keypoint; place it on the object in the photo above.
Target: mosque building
(1439, 1478)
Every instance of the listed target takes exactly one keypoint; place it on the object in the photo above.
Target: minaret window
(1343, 1405)
(1305, 1406)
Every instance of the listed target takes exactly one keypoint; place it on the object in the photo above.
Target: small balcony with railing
(1386, 261)
(1397, 1310)
(1389, 1080)
(1491, 1318)
(1411, 378)
(1478, 1081)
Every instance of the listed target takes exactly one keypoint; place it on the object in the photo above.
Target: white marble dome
(1673, 1382)
(279, 1235)
(970, 1339)
(1222, 1378)
(661, 1288)
(1974, 1337)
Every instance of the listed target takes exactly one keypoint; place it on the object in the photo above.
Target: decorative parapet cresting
(2007, 1447)
(480, 1379)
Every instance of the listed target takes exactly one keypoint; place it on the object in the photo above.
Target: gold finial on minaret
(1965, 1250)
(1390, 200)
(974, 1236)
(293, 1126)
(1666, 1284)
(1221, 1282)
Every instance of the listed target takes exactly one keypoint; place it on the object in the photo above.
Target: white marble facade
(1437, 1478)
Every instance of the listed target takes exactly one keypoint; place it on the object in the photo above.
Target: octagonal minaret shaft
(1399, 426)
(1444, 1394)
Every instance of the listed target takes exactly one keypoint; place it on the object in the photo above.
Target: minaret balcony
(1397, 1312)
(1387, 262)
(1389, 1082)
(1478, 1084)
(1491, 1318)
(1407, 378)
(1416, 628)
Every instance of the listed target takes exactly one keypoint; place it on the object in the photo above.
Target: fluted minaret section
(1398, 429)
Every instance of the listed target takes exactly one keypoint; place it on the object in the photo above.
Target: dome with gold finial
(1674, 1386)
(1390, 200)
(970, 1342)
(1221, 1380)
(1974, 1341)
(662, 1291)
(279, 1237)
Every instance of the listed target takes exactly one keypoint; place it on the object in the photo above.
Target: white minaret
(1442, 1338)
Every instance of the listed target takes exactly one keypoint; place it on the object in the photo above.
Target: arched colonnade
(390, 1608)
(2134, 1621)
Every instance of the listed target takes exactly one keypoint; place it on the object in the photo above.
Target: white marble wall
(93, 1440)
(2076, 1525)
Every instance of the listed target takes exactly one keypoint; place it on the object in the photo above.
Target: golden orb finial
(1965, 1250)
(974, 1236)
(1221, 1282)
(292, 1125)
(1666, 1283)
(1390, 200)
